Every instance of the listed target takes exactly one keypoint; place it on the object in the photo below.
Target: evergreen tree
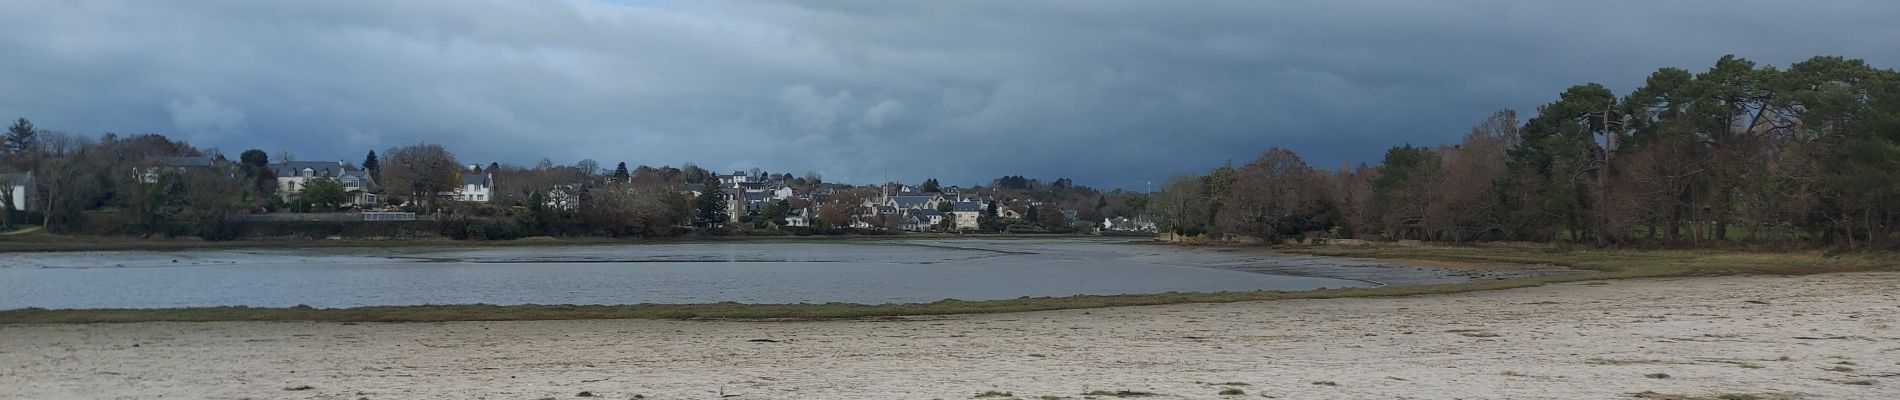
(374, 166)
(256, 165)
(621, 174)
(774, 213)
(711, 205)
(931, 186)
(254, 158)
(987, 221)
(20, 136)
(533, 216)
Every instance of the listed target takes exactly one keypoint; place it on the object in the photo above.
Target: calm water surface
(749, 272)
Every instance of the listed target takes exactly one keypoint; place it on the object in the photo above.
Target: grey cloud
(203, 114)
(1111, 93)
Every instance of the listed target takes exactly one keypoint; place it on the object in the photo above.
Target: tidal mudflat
(866, 272)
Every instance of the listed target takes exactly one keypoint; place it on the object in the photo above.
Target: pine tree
(20, 136)
(987, 221)
(711, 204)
(256, 165)
(374, 166)
(621, 174)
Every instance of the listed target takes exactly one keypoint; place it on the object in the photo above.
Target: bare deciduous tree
(422, 171)
(1466, 202)
(1269, 199)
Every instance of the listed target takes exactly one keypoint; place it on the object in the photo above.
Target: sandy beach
(1811, 337)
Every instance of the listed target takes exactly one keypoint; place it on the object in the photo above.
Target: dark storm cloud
(1111, 93)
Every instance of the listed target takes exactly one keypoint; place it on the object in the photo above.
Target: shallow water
(900, 271)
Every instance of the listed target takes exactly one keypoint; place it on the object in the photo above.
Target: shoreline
(1763, 337)
(717, 311)
(1611, 265)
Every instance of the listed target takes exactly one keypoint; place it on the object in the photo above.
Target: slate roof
(482, 179)
(354, 177)
(318, 168)
(911, 201)
(967, 206)
(17, 178)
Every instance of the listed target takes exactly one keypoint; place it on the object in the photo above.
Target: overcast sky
(1109, 93)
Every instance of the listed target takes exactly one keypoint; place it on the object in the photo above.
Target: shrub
(482, 229)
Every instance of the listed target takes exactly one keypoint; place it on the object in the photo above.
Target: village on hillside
(158, 176)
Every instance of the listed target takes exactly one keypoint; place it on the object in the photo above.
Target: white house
(477, 186)
(562, 197)
(780, 193)
(736, 180)
(18, 188)
(923, 220)
(797, 218)
(293, 176)
(913, 202)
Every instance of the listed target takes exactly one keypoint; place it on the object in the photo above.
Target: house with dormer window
(477, 185)
(294, 176)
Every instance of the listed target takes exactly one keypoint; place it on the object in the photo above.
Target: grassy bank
(1617, 264)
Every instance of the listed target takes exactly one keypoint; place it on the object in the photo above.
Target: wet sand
(867, 272)
(1782, 336)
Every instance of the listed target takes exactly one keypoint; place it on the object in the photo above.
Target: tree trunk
(1867, 219)
(1675, 224)
(1847, 228)
(1721, 226)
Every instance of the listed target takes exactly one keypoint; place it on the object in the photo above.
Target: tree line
(112, 184)
(1807, 155)
(132, 185)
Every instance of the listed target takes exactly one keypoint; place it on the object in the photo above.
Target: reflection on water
(856, 272)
